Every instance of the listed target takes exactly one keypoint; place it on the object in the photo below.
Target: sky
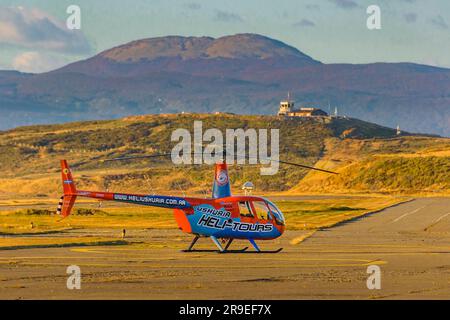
(34, 36)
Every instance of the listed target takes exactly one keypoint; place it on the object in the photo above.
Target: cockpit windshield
(276, 213)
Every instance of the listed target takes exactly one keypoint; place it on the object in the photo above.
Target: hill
(244, 73)
(369, 157)
(405, 165)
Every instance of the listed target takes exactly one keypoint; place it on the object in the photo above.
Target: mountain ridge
(245, 73)
(233, 47)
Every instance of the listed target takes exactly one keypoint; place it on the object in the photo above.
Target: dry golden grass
(47, 242)
(309, 214)
(18, 222)
(405, 165)
(304, 214)
(322, 213)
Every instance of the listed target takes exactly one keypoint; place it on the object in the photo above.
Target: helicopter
(222, 217)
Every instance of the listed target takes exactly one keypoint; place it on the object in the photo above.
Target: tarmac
(409, 243)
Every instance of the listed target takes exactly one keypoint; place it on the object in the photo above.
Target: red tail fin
(68, 184)
(70, 192)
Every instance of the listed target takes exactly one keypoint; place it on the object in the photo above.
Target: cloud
(32, 28)
(35, 62)
(312, 7)
(305, 23)
(228, 16)
(410, 17)
(193, 6)
(345, 4)
(439, 22)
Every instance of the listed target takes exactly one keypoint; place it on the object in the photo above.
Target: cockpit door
(261, 211)
(245, 211)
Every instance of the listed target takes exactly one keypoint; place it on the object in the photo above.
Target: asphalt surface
(410, 243)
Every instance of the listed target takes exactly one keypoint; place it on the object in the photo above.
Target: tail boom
(168, 202)
(71, 193)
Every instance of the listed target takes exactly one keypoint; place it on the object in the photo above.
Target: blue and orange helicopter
(222, 217)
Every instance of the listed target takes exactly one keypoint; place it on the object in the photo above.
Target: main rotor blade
(267, 159)
(306, 167)
(225, 146)
(161, 155)
(138, 157)
(294, 164)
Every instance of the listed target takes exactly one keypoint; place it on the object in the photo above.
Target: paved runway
(410, 243)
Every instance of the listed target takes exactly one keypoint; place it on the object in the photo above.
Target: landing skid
(267, 251)
(258, 250)
(251, 252)
(225, 249)
(218, 251)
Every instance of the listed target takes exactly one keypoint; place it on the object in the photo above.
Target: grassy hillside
(405, 165)
(370, 157)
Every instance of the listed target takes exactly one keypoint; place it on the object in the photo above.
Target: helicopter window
(279, 218)
(244, 209)
(262, 212)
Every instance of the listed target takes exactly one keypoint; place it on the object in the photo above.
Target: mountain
(244, 73)
(234, 57)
